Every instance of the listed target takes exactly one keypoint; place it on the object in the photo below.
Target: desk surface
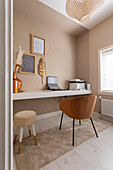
(47, 94)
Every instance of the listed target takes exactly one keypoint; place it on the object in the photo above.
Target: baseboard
(104, 117)
(46, 115)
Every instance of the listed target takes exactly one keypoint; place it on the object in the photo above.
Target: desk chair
(21, 120)
(78, 108)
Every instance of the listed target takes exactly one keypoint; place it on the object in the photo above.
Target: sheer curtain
(107, 71)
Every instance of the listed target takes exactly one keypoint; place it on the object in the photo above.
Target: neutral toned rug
(54, 143)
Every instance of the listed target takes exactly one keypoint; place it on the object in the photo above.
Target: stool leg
(20, 139)
(29, 131)
(15, 139)
(34, 133)
(15, 136)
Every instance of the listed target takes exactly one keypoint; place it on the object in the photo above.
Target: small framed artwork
(38, 45)
(28, 65)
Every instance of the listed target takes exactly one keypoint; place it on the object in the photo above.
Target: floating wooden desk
(48, 94)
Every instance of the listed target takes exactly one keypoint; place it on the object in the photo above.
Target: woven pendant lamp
(82, 9)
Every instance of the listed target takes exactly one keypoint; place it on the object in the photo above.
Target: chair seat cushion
(24, 118)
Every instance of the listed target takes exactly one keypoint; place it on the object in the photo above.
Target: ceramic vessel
(17, 83)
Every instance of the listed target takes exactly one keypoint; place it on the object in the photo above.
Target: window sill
(105, 93)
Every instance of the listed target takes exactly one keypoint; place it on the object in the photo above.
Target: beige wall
(99, 37)
(88, 45)
(83, 56)
(60, 58)
(66, 56)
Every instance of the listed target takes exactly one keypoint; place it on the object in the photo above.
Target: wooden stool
(22, 119)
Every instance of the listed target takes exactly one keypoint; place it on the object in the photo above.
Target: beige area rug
(54, 143)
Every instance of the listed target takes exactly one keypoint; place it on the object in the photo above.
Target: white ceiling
(104, 12)
(36, 10)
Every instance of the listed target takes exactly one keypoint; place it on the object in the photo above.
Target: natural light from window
(106, 69)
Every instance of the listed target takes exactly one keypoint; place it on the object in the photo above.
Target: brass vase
(17, 83)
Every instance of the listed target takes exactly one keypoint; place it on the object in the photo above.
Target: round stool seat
(24, 118)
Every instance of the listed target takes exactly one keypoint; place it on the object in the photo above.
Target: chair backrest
(78, 108)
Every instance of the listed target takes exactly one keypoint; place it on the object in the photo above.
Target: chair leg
(34, 133)
(79, 122)
(73, 131)
(61, 121)
(94, 127)
(20, 139)
(29, 131)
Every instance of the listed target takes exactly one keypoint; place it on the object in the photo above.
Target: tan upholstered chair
(22, 119)
(78, 108)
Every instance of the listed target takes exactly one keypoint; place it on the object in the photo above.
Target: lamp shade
(82, 9)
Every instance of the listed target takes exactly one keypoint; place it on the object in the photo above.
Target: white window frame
(100, 51)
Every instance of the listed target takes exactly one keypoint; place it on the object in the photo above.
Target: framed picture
(28, 65)
(38, 45)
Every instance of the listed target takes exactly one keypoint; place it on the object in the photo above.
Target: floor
(93, 154)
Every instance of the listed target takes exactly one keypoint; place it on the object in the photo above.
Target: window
(106, 69)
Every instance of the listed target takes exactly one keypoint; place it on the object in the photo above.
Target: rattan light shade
(82, 9)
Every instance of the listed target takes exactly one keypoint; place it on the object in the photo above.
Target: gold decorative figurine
(42, 68)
